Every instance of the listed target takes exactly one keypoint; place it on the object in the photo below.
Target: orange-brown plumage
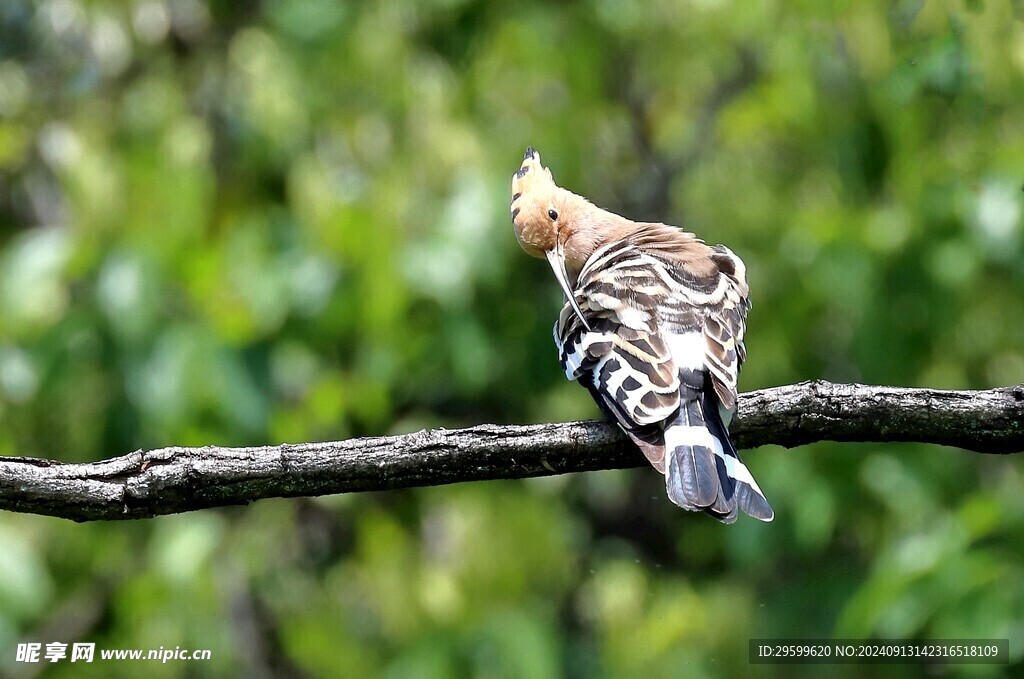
(581, 227)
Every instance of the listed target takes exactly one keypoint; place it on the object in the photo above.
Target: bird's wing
(623, 359)
(704, 289)
(655, 310)
(664, 345)
(725, 324)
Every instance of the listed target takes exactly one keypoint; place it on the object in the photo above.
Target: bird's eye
(553, 214)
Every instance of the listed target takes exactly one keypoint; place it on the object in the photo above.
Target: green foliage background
(240, 223)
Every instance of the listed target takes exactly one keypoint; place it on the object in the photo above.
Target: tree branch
(144, 484)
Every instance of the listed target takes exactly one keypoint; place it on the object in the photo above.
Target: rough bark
(171, 480)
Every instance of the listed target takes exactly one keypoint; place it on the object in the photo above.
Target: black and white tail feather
(660, 348)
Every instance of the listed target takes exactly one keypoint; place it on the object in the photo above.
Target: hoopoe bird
(653, 327)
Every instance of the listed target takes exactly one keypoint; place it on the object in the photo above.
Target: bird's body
(653, 327)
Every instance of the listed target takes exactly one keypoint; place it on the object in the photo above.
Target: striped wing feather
(664, 349)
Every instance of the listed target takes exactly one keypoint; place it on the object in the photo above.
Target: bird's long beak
(556, 259)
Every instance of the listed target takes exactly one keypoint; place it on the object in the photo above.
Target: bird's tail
(704, 471)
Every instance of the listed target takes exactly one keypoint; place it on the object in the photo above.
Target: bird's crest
(532, 178)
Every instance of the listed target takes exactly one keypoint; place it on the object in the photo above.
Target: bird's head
(556, 224)
(536, 203)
